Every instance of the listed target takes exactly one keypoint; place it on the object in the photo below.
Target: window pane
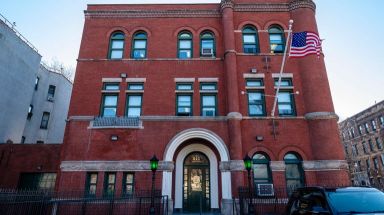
(292, 171)
(111, 87)
(208, 86)
(275, 38)
(184, 86)
(109, 112)
(185, 54)
(110, 100)
(139, 54)
(134, 111)
(260, 171)
(117, 44)
(209, 100)
(256, 110)
(254, 83)
(250, 48)
(284, 97)
(116, 54)
(249, 38)
(285, 109)
(209, 111)
(134, 101)
(185, 44)
(140, 44)
(135, 87)
(184, 100)
(207, 44)
(129, 178)
(253, 97)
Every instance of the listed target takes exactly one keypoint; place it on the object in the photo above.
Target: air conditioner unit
(253, 70)
(265, 190)
(206, 51)
(50, 98)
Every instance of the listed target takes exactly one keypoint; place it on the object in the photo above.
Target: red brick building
(194, 84)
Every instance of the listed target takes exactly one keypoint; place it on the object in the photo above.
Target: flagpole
(282, 68)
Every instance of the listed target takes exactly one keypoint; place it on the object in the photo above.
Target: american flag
(305, 43)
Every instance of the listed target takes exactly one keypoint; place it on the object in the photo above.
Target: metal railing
(117, 122)
(18, 34)
(22, 202)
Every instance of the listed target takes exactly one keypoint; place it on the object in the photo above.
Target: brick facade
(311, 133)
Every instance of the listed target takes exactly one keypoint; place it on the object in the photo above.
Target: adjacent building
(195, 84)
(362, 137)
(34, 99)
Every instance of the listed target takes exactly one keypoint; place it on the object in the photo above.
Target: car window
(357, 201)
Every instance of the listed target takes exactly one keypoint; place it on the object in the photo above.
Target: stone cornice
(152, 13)
(208, 13)
(321, 115)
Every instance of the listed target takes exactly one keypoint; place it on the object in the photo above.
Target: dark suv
(345, 200)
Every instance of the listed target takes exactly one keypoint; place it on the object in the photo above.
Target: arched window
(276, 39)
(250, 40)
(184, 45)
(207, 44)
(139, 45)
(116, 45)
(294, 173)
(261, 169)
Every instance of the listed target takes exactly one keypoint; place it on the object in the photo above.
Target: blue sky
(352, 30)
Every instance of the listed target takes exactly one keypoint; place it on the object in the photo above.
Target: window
(368, 164)
(111, 86)
(208, 99)
(294, 173)
(91, 185)
(358, 166)
(135, 86)
(250, 40)
(284, 82)
(353, 132)
(256, 103)
(360, 129)
(37, 83)
(366, 127)
(285, 103)
(184, 99)
(37, 181)
(185, 45)
(22, 139)
(355, 152)
(375, 163)
(184, 105)
(30, 109)
(207, 44)
(184, 86)
(51, 92)
(371, 145)
(109, 105)
(40, 142)
(276, 39)
(134, 103)
(379, 144)
(254, 83)
(128, 184)
(365, 148)
(261, 169)
(44, 120)
(139, 46)
(382, 121)
(109, 184)
(374, 127)
(116, 46)
(382, 159)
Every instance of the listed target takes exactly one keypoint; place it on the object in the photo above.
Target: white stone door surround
(169, 153)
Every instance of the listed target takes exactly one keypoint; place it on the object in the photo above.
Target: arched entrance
(218, 144)
(196, 183)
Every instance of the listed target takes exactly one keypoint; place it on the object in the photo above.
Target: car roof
(339, 189)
